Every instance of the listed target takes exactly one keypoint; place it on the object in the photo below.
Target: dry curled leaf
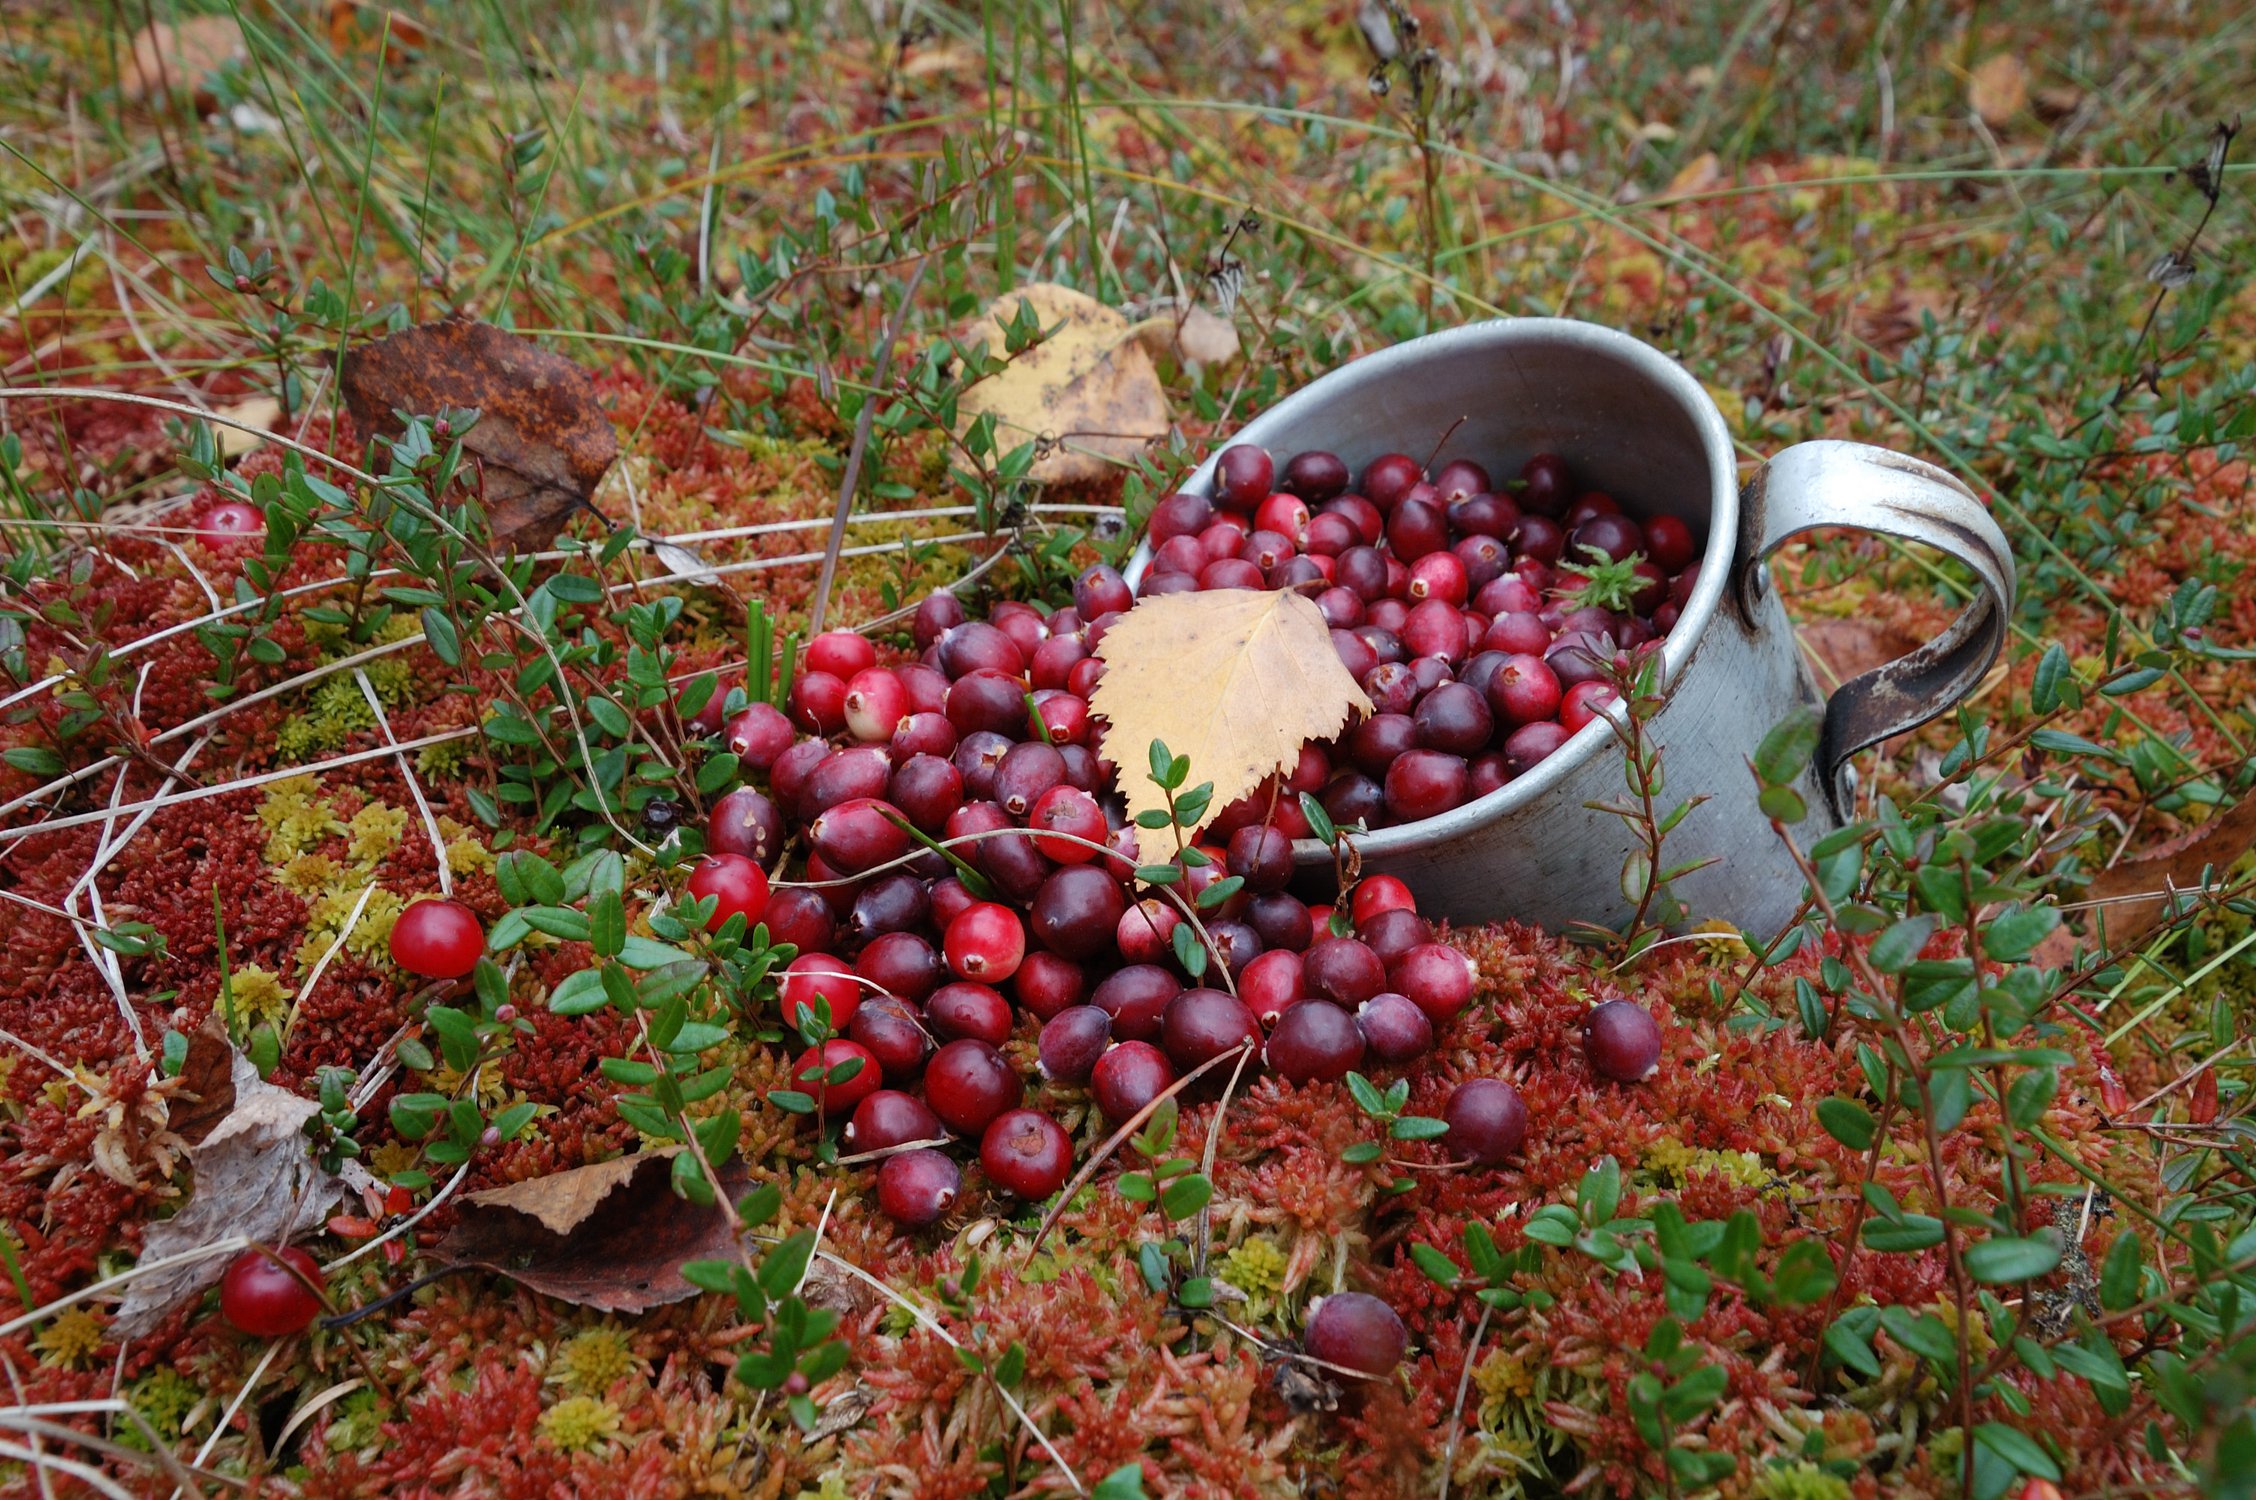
(1236, 679)
(1088, 389)
(1999, 89)
(542, 439)
(176, 60)
(612, 1235)
(2135, 890)
(255, 1176)
(359, 25)
(204, 1091)
(1197, 337)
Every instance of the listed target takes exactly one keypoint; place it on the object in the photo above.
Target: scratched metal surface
(1633, 423)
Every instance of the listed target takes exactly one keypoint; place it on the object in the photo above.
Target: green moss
(1802, 1481)
(580, 1423)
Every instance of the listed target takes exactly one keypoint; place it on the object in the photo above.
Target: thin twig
(851, 478)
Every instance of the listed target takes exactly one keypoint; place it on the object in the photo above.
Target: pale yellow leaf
(1197, 337)
(1088, 390)
(256, 411)
(1999, 89)
(179, 59)
(1236, 679)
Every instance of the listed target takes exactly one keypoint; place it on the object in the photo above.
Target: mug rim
(1678, 647)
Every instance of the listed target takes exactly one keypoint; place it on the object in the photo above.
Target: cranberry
(1455, 718)
(229, 525)
(986, 943)
(1583, 702)
(936, 614)
(1314, 1041)
(1380, 893)
(1617, 537)
(812, 1074)
(1281, 920)
(1342, 971)
(1459, 478)
(1393, 932)
(1622, 1041)
(858, 835)
(1135, 998)
(1315, 476)
(802, 918)
(901, 963)
(1047, 983)
(889, 1118)
(1283, 515)
(1072, 1041)
(1180, 515)
(1026, 1153)
(1425, 784)
(1271, 985)
(1077, 910)
(1354, 798)
(443, 939)
(968, 1083)
(1389, 477)
(1129, 1077)
(818, 703)
(1416, 527)
(1545, 484)
(1538, 539)
(917, 1188)
(1380, 740)
(745, 823)
(1441, 575)
(889, 1029)
(1437, 977)
(860, 771)
(1394, 1027)
(1101, 591)
(1487, 1122)
(1484, 515)
(1242, 475)
(813, 980)
(1356, 1332)
(890, 904)
(1531, 743)
(266, 1300)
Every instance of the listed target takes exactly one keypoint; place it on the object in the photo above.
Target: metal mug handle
(1832, 483)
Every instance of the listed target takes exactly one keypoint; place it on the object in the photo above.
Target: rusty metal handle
(1872, 489)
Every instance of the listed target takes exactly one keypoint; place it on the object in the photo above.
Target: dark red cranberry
(1453, 717)
(1622, 1041)
(889, 1118)
(964, 1009)
(1135, 998)
(927, 790)
(1517, 635)
(1314, 1041)
(1242, 476)
(1487, 772)
(891, 1032)
(1388, 478)
(1342, 609)
(757, 736)
(1487, 1122)
(989, 700)
(1026, 1153)
(1531, 743)
(1281, 920)
(936, 615)
(1202, 1024)
(1394, 1028)
(917, 1188)
(858, 834)
(1072, 1041)
(1180, 515)
(1425, 784)
(1077, 911)
(1393, 932)
(1369, 522)
(745, 822)
(1342, 971)
(1539, 538)
(976, 760)
(1545, 485)
(968, 1083)
(1380, 740)
(902, 963)
(1434, 628)
(1436, 976)
(800, 917)
(1354, 798)
(1100, 590)
(1232, 944)
(1261, 857)
(1047, 983)
(1617, 537)
(1315, 476)
(1363, 569)
(1416, 528)
(1491, 516)
(1129, 1077)
(890, 904)
(857, 772)
(1329, 534)
(1459, 478)
(924, 733)
(788, 778)
(1356, 1332)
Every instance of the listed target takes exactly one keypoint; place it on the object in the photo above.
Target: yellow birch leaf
(1088, 390)
(1235, 679)
(1999, 89)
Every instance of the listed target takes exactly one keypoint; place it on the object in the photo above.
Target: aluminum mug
(1631, 422)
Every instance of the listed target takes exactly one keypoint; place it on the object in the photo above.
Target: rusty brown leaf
(255, 1176)
(612, 1235)
(542, 438)
(2134, 889)
(359, 25)
(207, 1082)
(1089, 388)
(176, 60)
(1236, 679)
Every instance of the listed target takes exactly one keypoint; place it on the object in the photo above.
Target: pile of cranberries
(1462, 606)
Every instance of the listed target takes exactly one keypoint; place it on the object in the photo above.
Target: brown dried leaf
(2177, 865)
(1695, 176)
(255, 1176)
(177, 59)
(613, 1235)
(1089, 387)
(543, 439)
(1999, 89)
(206, 1089)
(359, 25)
(1202, 338)
(1236, 679)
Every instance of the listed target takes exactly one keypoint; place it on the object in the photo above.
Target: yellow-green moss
(1802, 1481)
(580, 1423)
(296, 817)
(259, 997)
(593, 1360)
(1671, 1158)
(71, 1340)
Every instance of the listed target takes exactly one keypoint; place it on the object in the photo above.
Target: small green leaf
(1893, 950)
(2014, 933)
(1848, 1122)
(2016, 1259)
(2121, 1272)
(1786, 750)
(1439, 1268)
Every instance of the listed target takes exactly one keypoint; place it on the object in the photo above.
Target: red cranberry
(1099, 591)
(1077, 910)
(1314, 1041)
(1437, 977)
(1622, 1041)
(1180, 515)
(936, 615)
(745, 823)
(968, 1083)
(1531, 743)
(858, 835)
(1487, 1122)
(889, 1118)
(1136, 997)
(889, 1029)
(1242, 476)
(1271, 985)
(802, 918)
(1047, 983)
(1415, 528)
(1315, 476)
(901, 963)
(230, 526)
(1072, 1041)
(1583, 702)
(917, 1188)
(818, 703)
(1539, 539)
(986, 943)
(973, 1010)
(443, 939)
(814, 980)
(1454, 718)
(266, 1300)
(1388, 478)
(1525, 690)
(812, 1074)
(1394, 1028)
(858, 771)
(1342, 971)
(1356, 1332)
(1129, 1077)
(1425, 784)
(1026, 1153)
